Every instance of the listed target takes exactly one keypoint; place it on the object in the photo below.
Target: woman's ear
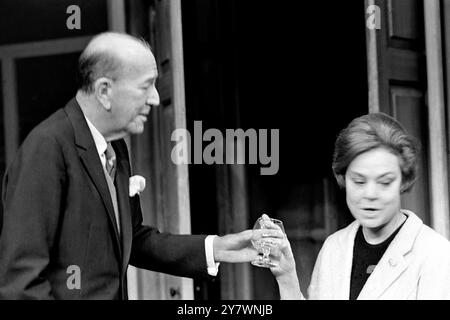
(404, 187)
(407, 183)
(102, 90)
(340, 178)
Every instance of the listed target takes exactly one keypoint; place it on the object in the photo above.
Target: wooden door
(397, 79)
(165, 203)
(38, 61)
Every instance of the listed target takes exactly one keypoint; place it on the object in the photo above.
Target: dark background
(299, 67)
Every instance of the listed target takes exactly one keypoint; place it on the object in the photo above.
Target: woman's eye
(385, 183)
(358, 182)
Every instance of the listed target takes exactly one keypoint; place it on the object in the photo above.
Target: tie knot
(110, 159)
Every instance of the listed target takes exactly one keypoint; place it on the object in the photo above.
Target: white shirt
(101, 145)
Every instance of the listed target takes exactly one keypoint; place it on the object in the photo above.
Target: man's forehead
(140, 61)
(136, 55)
(114, 40)
(120, 45)
(145, 63)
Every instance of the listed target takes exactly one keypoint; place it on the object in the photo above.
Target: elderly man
(66, 202)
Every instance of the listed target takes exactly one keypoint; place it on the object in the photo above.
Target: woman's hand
(280, 250)
(281, 255)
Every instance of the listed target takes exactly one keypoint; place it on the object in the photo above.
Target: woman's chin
(370, 222)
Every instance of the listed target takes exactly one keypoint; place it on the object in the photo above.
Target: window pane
(35, 20)
(44, 84)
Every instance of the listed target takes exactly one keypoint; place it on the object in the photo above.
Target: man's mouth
(145, 113)
(143, 116)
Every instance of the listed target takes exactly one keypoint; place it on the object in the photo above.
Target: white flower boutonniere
(137, 185)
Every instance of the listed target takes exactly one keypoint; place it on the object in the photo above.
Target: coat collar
(394, 261)
(391, 265)
(88, 153)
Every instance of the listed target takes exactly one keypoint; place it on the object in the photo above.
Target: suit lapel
(393, 263)
(90, 159)
(122, 187)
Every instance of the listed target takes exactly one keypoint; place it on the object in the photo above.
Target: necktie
(110, 160)
(110, 168)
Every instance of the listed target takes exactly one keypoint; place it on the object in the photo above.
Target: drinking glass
(264, 245)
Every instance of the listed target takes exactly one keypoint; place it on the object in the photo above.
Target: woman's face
(372, 184)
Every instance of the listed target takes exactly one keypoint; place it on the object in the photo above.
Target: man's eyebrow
(150, 79)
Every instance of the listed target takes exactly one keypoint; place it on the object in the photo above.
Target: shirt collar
(99, 140)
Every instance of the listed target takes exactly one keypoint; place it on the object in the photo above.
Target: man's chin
(139, 129)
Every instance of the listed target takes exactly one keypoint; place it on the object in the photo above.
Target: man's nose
(153, 98)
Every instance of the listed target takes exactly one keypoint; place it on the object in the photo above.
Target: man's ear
(102, 89)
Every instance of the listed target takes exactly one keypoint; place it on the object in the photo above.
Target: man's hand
(235, 247)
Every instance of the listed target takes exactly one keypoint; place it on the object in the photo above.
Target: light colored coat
(416, 265)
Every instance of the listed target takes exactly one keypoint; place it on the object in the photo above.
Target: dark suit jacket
(58, 213)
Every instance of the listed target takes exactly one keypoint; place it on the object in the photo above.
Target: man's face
(372, 184)
(134, 93)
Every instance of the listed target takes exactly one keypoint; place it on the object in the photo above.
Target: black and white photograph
(236, 152)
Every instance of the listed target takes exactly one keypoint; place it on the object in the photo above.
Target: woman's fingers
(283, 247)
(269, 224)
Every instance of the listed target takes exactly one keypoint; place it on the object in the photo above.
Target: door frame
(165, 202)
(437, 110)
(9, 53)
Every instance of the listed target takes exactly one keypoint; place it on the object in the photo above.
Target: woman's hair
(371, 131)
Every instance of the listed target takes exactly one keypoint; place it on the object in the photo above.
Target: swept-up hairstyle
(371, 131)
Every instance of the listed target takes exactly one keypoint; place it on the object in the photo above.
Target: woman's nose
(370, 191)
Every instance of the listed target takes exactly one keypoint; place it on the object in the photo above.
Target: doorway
(38, 61)
(253, 64)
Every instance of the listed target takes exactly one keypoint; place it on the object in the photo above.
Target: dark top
(365, 257)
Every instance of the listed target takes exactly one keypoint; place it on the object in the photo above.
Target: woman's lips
(370, 209)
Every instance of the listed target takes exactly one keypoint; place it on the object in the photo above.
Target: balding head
(117, 75)
(109, 55)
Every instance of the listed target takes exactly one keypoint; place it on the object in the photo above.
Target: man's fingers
(272, 226)
(268, 233)
(243, 255)
(246, 234)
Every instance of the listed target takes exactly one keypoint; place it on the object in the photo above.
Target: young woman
(387, 252)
